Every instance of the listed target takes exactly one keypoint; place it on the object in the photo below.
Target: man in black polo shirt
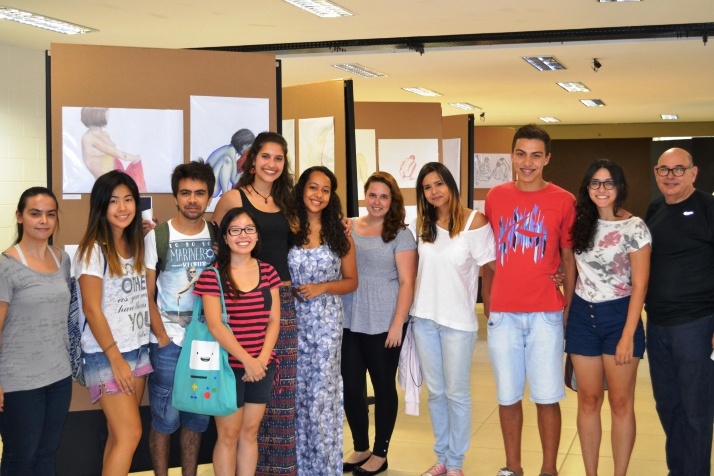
(680, 313)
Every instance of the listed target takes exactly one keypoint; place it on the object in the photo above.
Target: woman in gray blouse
(35, 383)
(375, 317)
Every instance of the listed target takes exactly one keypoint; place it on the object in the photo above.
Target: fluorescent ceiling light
(592, 102)
(544, 63)
(574, 87)
(549, 119)
(41, 21)
(464, 105)
(669, 117)
(422, 91)
(360, 70)
(617, 1)
(662, 139)
(321, 8)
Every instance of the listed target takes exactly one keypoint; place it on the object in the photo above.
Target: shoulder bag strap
(223, 298)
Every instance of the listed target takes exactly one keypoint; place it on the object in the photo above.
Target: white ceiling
(638, 80)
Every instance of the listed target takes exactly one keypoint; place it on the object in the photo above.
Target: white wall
(23, 158)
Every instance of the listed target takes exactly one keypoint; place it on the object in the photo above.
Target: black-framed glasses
(595, 184)
(236, 230)
(677, 171)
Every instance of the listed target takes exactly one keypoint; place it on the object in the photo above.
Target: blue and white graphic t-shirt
(187, 256)
(124, 302)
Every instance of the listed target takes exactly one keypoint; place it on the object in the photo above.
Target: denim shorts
(595, 329)
(98, 371)
(254, 392)
(164, 417)
(527, 344)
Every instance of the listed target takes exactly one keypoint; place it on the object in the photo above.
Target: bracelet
(109, 347)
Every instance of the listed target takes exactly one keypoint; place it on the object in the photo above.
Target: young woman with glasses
(604, 335)
(251, 292)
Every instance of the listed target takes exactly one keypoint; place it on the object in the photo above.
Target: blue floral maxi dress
(319, 398)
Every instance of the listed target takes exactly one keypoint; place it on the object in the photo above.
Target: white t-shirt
(124, 303)
(187, 256)
(446, 287)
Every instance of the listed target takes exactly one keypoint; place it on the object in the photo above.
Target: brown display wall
(325, 99)
(570, 158)
(457, 127)
(490, 140)
(145, 78)
(400, 120)
(142, 78)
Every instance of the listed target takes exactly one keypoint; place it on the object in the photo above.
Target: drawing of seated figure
(99, 152)
(483, 171)
(408, 167)
(226, 167)
(502, 172)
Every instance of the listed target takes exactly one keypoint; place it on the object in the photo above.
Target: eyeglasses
(236, 231)
(678, 171)
(595, 184)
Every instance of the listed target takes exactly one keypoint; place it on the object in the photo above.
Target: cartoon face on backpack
(205, 355)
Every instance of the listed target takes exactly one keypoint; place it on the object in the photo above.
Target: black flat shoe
(347, 467)
(363, 472)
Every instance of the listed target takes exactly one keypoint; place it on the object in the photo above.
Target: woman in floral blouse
(604, 332)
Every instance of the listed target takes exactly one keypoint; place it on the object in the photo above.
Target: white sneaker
(507, 472)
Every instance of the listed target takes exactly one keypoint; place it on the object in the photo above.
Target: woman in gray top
(375, 317)
(35, 383)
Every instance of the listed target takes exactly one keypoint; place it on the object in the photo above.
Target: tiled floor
(411, 447)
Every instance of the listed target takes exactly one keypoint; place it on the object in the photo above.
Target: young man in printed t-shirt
(531, 221)
(186, 244)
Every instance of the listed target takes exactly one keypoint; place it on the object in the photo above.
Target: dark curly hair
(333, 231)
(583, 230)
(394, 219)
(282, 190)
(223, 257)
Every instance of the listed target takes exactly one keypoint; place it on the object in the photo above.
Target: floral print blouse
(604, 272)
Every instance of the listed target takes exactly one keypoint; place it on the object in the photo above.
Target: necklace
(264, 197)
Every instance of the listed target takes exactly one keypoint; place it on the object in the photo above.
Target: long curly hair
(282, 189)
(394, 219)
(582, 233)
(332, 232)
(223, 257)
(426, 212)
(99, 230)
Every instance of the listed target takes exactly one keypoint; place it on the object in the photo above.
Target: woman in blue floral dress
(323, 266)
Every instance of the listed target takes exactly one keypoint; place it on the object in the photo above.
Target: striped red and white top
(247, 316)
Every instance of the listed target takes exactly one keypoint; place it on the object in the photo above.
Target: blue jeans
(31, 427)
(445, 356)
(164, 417)
(683, 383)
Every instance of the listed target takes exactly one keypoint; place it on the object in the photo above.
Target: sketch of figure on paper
(100, 153)
(502, 171)
(483, 170)
(316, 143)
(226, 167)
(408, 168)
(487, 175)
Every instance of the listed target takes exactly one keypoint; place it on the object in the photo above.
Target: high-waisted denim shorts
(98, 370)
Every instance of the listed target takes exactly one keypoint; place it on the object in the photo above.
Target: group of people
(315, 302)
(610, 264)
